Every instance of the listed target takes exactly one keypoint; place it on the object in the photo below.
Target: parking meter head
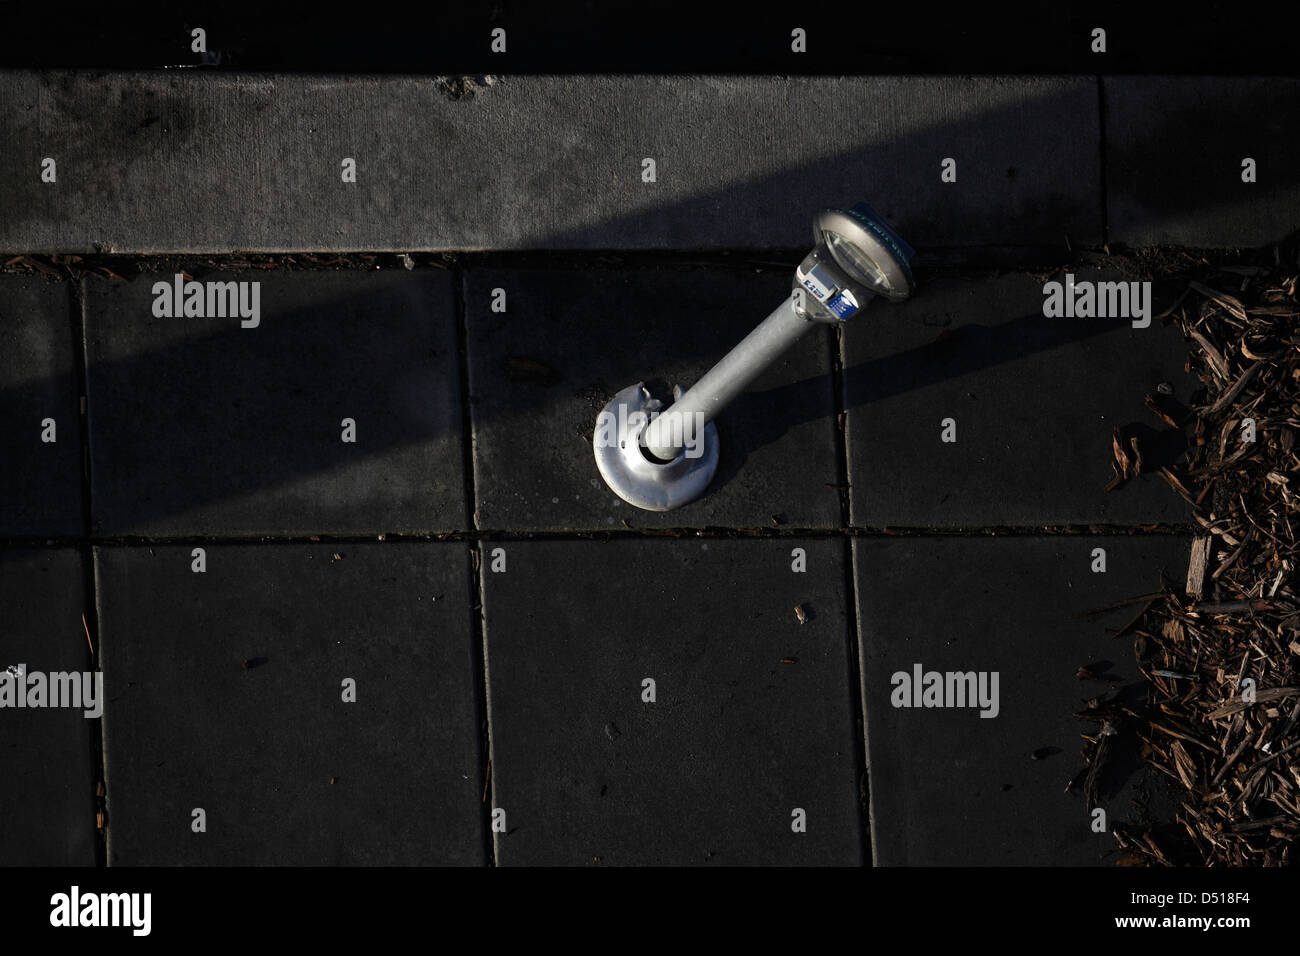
(868, 252)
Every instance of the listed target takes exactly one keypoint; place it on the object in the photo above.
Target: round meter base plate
(638, 480)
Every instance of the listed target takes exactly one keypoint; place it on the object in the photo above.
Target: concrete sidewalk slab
(212, 162)
(40, 423)
(1175, 148)
(949, 787)
(226, 693)
(751, 721)
(1033, 402)
(201, 425)
(47, 787)
(541, 372)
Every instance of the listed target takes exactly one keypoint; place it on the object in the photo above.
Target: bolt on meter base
(635, 477)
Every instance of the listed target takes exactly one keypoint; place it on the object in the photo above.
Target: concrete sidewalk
(769, 629)
(211, 163)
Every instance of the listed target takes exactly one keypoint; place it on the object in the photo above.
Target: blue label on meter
(814, 288)
(842, 304)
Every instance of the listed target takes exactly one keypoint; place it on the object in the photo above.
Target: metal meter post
(660, 458)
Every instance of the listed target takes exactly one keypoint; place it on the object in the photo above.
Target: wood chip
(1228, 302)
(1196, 566)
